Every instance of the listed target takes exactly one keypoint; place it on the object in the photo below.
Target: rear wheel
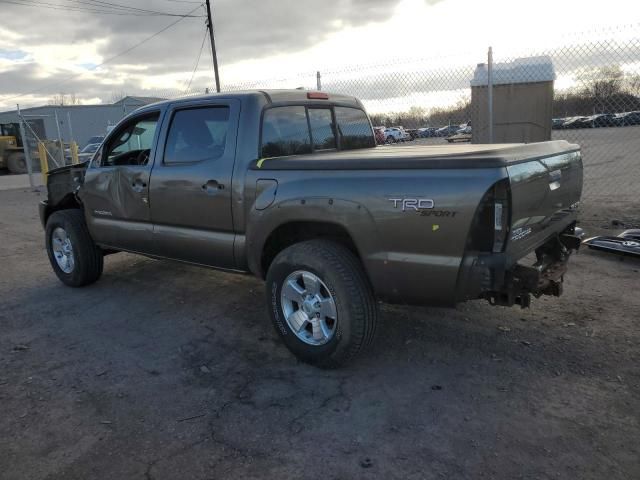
(75, 258)
(321, 303)
(17, 163)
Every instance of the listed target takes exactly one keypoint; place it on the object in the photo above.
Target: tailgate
(545, 193)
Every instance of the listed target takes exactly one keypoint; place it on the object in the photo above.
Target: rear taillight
(490, 228)
(501, 204)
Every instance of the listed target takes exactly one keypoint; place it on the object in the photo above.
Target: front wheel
(321, 303)
(75, 258)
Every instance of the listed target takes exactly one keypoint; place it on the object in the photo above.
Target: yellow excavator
(11, 148)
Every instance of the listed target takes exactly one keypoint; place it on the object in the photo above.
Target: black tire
(17, 163)
(341, 272)
(88, 257)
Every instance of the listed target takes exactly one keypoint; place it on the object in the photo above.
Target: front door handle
(212, 187)
(138, 185)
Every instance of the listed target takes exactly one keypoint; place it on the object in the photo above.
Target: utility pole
(213, 46)
(490, 91)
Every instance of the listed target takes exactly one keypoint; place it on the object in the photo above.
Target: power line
(118, 6)
(204, 37)
(98, 9)
(124, 52)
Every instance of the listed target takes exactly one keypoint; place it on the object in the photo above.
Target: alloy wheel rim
(309, 308)
(62, 249)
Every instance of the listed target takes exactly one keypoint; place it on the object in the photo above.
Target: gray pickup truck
(291, 187)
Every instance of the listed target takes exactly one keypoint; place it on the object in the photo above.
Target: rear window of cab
(299, 129)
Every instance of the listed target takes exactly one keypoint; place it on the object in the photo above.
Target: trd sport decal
(416, 204)
(424, 206)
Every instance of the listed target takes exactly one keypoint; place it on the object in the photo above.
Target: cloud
(245, 29)
(258, 40)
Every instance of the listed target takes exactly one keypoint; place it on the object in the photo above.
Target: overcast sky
(47, 51)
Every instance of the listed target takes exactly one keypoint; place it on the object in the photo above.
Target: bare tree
(117, 96)
(632, 84)
(63, 99)
(603, 84)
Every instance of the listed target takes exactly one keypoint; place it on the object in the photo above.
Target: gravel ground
(164, 371)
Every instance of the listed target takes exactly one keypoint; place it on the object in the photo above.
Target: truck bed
(420, 157)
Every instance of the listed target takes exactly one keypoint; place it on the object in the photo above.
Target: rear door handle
(212, 187)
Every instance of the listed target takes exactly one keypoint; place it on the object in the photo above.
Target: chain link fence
(589, 94)
(38, 154)
(594, 101)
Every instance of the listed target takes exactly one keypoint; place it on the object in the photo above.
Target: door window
(197, 134)
(131, 144)
(285, 132)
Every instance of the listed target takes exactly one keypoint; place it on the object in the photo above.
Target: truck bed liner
(420, 157)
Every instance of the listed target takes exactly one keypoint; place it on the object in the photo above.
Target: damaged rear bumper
(494, 278)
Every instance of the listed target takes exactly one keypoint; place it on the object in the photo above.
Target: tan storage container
(522, 101)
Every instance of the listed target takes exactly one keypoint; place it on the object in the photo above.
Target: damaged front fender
(62, 186)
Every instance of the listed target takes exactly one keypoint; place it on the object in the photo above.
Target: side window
(285, 132)
(322, 128)
(197, 134)
(131, 144)
(354, 129)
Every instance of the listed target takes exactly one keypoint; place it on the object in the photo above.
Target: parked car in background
(601, 120)
(413, 133)
(405, 134)
(95, 139)
(379, 133)
(447, 130)
(598, 120)
(392, 135)
(628, 118)
(426, 132)
(87, 152)
(574, 122)
(396, 134)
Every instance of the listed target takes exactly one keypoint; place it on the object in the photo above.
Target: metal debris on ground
(627, 243)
